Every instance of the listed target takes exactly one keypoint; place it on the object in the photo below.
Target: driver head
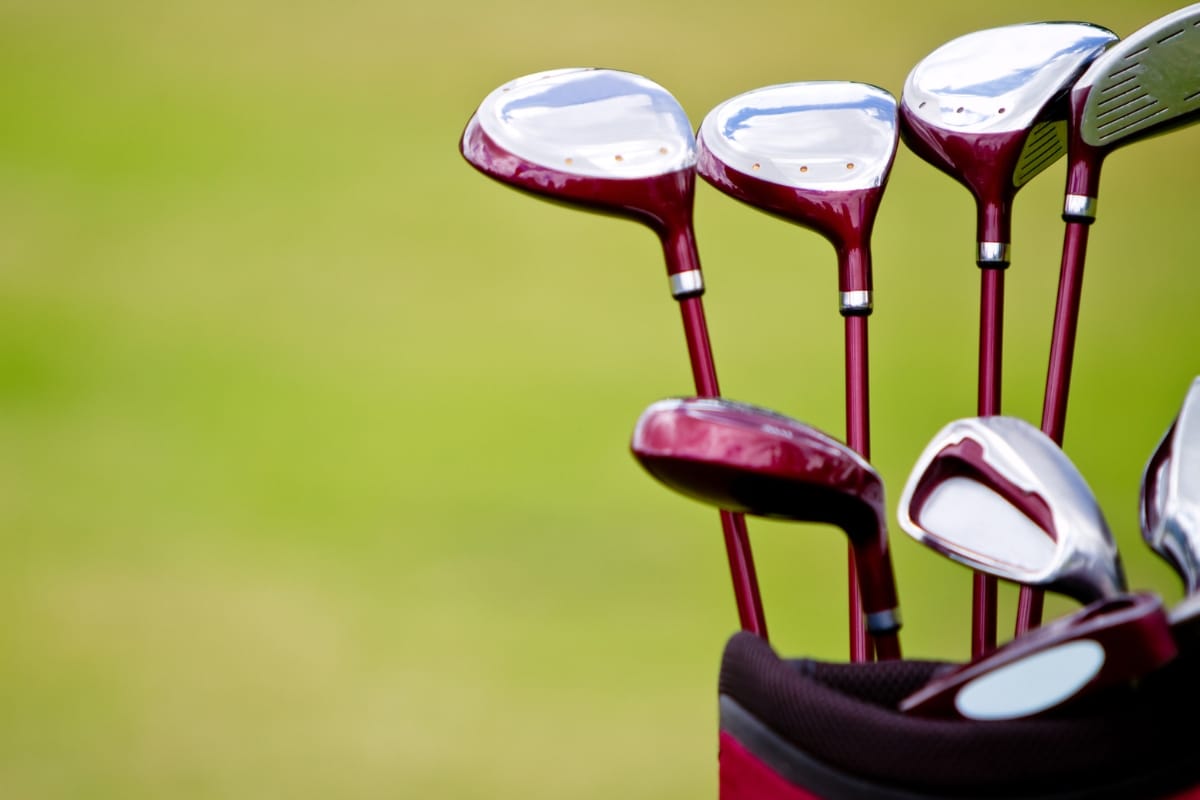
(998, 495)
(986, 109)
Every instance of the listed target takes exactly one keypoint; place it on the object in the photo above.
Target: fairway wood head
(998, 495)
(1170, 495)
(744, 458)
(602, 139)
(987, 109)
(816, 153)
(1107, 644)
(1145, 85)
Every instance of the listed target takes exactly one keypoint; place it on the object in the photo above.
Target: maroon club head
(1110, 643)
(606, 140)
(988, 109)
(1145, 85)
(744, 458)
(816, 153)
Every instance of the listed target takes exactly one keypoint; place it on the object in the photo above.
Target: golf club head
(988, 109)
(1107, 644)
(816, 153)
(745, 458)
(998, 495)
(1170, 495)
(601, 139)
(1145, 85)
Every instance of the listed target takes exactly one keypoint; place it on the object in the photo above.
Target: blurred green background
(313, 441)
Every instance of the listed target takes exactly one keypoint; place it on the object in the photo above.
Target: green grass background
(314, 477)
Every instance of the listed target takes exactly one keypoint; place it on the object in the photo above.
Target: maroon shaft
(858, 436)
(1058, 378)
(991, 338)
(737, 538)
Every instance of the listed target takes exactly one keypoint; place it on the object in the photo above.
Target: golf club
(1146, 84)
(818, 154)
(746, 458)
(617, 143)
(988, 109)
(998, 495)
(1170, 496)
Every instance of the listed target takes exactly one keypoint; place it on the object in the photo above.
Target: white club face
(596, 123)
(1148, 81)
(999, 80)
(1033, 684)
(823, 135)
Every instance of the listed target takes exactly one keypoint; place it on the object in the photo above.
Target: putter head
(816, 153)
(998, 495)
(602, 139)
(988, 109)
(1170, 495)
(1107, 644)
(744, 458)
(1145, 85)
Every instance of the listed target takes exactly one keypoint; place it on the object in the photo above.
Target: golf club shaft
(858, 436)
(737, 539)
(991, 338)
(1058, 378)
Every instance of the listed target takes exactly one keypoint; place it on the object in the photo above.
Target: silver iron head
(595, 123)
(998, 495)
(823, 135)
(1170, 496)
(1146, 84)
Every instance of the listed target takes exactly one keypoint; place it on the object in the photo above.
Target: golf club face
(1145, 85)
(603, 139)
(1109, 643)
(998, 495)
(988, 109)
(1170, 495)
(741, 457)
(816, 153)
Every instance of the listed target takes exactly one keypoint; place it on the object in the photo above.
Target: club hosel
(855, 296)
(877, 582)
(683, 262)
(994, 231)
(1083, 182)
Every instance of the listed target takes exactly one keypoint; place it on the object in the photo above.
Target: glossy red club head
(1110, 643)
(989, 109)
(815, 153)
(745, 458)
(600, 139)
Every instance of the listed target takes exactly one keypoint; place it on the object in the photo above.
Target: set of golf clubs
(993, 109)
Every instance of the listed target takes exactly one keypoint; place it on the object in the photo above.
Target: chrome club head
(998, 495)
(603, 139)
(745, 458)
(816, 153)
(1170, 496)
(985, 108)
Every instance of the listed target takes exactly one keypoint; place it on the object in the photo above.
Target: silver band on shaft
(1079, 205)
(884, 621)
(993, 253)
(855, 302)
(687, 284)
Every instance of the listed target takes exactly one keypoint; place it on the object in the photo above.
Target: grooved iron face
(1146, 84)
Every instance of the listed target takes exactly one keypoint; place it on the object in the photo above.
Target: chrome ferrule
(1079, 207)
(882, 622)
(993, 254)
(687, 284)
(855, 304)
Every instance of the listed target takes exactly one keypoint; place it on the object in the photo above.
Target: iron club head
(1170, 494)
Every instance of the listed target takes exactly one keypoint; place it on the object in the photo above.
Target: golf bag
(805, 729)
